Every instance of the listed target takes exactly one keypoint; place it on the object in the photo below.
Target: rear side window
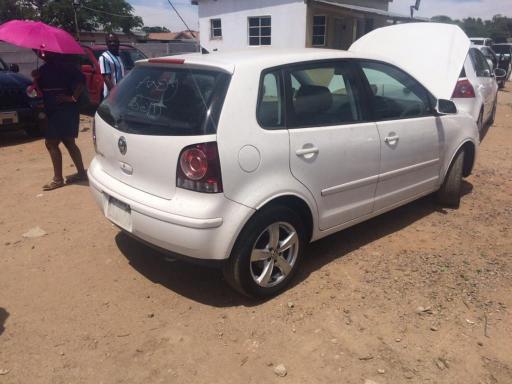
(166, 101)
(270, 104)
(322, 95)
(396, 95)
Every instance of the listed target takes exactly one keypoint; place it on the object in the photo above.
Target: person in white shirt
(111, 65)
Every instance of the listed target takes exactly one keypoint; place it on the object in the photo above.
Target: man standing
(111, 65)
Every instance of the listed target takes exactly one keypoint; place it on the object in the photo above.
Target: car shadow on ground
(3, 317)
(9, 139)
(207, 286)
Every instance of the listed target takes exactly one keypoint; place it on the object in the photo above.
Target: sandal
(76, 177)
(53, 185)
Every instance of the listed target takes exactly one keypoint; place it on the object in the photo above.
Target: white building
(237, 24)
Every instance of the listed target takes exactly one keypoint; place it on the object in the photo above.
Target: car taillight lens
(199, 168)
(463, 90)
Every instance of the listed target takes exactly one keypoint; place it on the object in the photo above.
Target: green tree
(155, 29)
(109, 15)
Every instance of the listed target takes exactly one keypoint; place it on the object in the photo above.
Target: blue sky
(158, 12)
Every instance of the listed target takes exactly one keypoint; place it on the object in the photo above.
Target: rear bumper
(207, 237)
(27, 118)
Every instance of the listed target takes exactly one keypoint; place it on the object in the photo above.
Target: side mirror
(87, 68)
(446, 107)
(500, 73)
(14, 68)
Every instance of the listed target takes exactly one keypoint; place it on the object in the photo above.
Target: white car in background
(241, 159)
(485, 41)
(476, 92)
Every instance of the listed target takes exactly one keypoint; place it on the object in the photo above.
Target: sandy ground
(86, 304)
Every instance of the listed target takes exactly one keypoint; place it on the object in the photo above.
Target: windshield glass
(166, 101)
(129, 58)
(501, 48)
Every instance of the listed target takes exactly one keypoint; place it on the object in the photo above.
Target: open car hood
(433, 53)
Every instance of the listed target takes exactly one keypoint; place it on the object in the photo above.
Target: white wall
(288, 22)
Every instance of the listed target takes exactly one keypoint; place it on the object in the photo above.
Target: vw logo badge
(122, 145)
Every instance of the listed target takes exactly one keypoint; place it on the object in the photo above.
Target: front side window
(270, 102)
(260, 30)
(319, 30)
(480, 63)
(396, 95)
(323, 95)
(215, 29)
(166, 101)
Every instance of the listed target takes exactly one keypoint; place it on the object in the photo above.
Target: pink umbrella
(40, 36)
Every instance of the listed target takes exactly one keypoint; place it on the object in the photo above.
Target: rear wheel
(493, 114)
(480, 122)
(267, 253)
(450, 192)
(35, 131)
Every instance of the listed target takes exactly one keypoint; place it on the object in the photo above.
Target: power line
(106, 13)
(175, 10)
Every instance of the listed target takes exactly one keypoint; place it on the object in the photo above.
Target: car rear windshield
(501, 48)
(166, 101)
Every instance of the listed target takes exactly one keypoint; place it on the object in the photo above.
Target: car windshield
(166, 101)
(130, 56)
(501, 48)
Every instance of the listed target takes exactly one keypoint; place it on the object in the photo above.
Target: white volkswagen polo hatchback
(243, 158)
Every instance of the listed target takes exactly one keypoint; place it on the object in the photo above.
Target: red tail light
(199, 168)
(463, 90)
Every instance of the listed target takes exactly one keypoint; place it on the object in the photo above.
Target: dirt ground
(418, 295)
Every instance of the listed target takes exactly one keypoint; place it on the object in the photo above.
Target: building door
(343, 32)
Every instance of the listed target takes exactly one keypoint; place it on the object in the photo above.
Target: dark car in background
(91, 67)
(17, 110)
(504, 53)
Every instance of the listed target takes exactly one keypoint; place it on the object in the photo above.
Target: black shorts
(63, 122)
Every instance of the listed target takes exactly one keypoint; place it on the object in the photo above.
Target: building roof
(371, 11)
(170, 36)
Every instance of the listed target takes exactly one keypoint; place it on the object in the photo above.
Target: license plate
(119, 213)
(8, 118)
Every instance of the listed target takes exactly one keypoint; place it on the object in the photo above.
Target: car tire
(493, 113)
(261, 264)
(480, 123)
(450, 192)
(34, 132)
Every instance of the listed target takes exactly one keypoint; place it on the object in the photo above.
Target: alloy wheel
(274, 254)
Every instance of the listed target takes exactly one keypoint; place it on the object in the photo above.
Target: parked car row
(255, 154)
(22, 111)
(17, 110)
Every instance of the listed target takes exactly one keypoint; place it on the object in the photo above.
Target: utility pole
(76, 7)
(415, 7)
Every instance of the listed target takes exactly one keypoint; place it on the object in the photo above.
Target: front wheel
(450, 191)
(267, 253)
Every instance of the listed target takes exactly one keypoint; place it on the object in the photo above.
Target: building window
(260, 30)
(216, 29)
(319, 30)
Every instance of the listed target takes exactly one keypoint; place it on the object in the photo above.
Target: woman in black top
(61, 84)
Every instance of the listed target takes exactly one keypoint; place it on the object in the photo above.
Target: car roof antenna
(202, 49)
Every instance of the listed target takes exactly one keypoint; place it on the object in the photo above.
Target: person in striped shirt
(111, 65)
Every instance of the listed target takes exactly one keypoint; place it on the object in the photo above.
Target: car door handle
(391, 139)
(307, 151)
